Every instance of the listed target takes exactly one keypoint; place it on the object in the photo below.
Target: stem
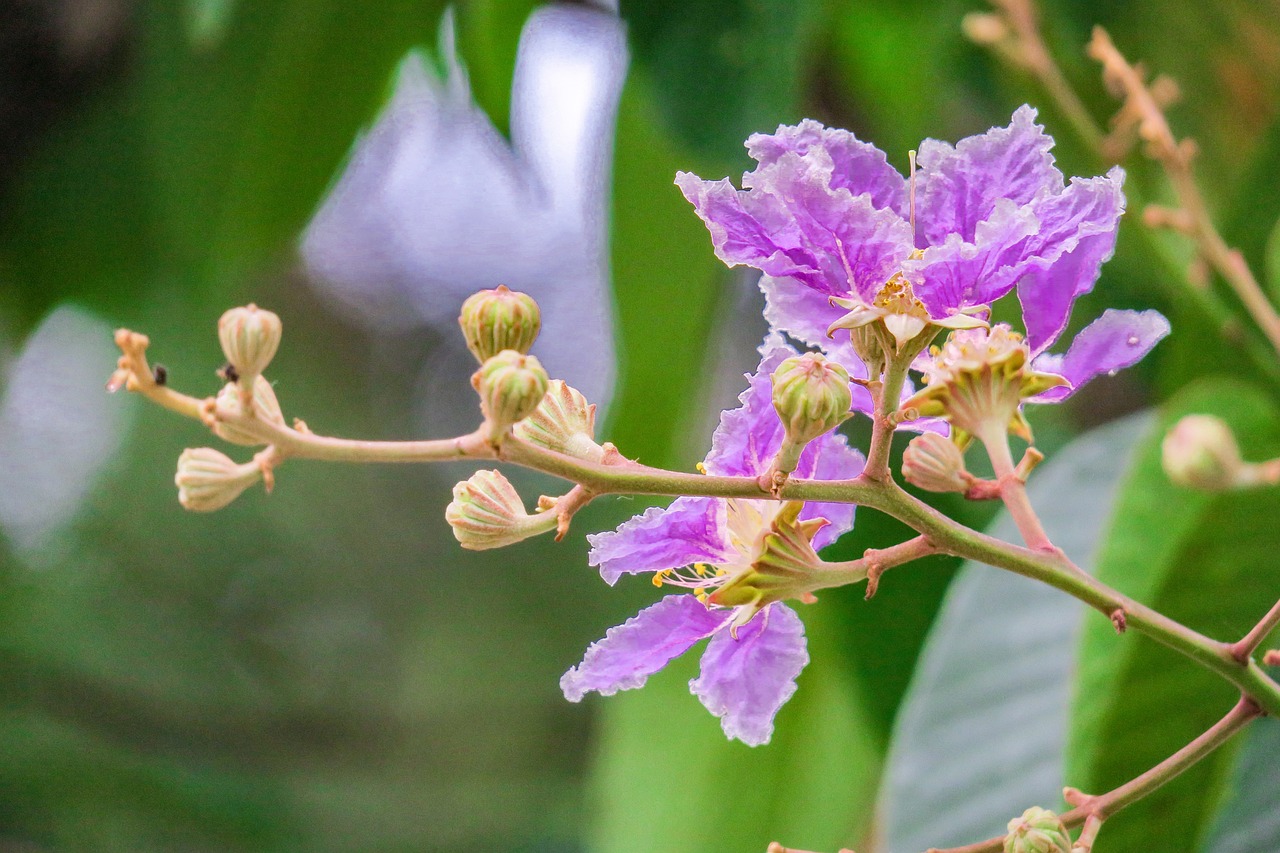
(620, 476)
(1105, 805)
(1013, 491)
(875, 562)
(890, 392)
(1249, 644)
(1175, 158)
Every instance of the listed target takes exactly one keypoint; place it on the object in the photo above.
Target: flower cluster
(850, 247)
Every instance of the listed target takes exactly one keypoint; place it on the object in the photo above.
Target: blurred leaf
(1249, 820)
(981, 732)
(1272, 271)
(1187, 555)
(726, 69)
(207, 21)
(667, 779)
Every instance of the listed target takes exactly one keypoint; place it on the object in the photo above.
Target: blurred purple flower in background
(435, 204)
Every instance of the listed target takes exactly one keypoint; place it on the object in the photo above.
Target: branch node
(1120, 620)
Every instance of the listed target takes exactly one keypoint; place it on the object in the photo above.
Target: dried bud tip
(250, 337)
(933, 462)
(497, 320)
(208, 480)
(265, 407)
(511, 387)
(1037, 831)
(1200, 452)
(486, 512)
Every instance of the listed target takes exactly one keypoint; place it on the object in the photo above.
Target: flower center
(897, 297)
(747, 521)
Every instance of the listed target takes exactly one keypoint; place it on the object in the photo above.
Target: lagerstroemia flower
(826, 217)
(708, 546)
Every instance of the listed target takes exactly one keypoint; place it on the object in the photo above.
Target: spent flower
(208, 480)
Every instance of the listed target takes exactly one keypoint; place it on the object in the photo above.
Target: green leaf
(667, 779)
(981, 732)
(1203, 560)
(1249, 820)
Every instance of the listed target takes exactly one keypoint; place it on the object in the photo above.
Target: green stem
(1103, 806)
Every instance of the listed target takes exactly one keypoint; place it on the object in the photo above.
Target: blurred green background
(323, 669)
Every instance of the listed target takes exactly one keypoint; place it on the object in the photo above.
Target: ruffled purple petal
(1114, 341)
(690, 530)
(641, 646)
(1077, 235)
(805, 315)
(791, 222)
(857, 166)
(745, 681)
(959, 187)
(956, 274)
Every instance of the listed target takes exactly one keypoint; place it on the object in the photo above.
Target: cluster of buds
(500, 327)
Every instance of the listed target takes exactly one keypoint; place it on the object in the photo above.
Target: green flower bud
(564, 422)
(933, 462)
(497, 320)
(486, 512)
(1200, 452)
(812, 397)
(249, 337)
(208, 480)
(265, 406)
(1037, 831)
(511, 387)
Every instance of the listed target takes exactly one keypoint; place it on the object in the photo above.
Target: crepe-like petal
(1116, 340)
(641, 646)
(690, 530)
(745, 680)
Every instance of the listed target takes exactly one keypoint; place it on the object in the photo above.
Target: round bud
(511, 387)
(249, 337)
(265, 406)
(208, 480)
(1200, 452)
(486, 512)
(564, 422)
(1037, 831)
(811, 395)
(933, 462)
(497, 320)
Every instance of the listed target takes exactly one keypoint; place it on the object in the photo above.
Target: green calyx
(784, 566)
(497, 320)
(977, 381)
(812, 397)
(511, 387)
(1037, 831)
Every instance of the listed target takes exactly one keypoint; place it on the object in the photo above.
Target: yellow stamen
(702, 469)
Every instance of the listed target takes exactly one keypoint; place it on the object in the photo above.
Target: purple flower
(756, 650)
(827, 219)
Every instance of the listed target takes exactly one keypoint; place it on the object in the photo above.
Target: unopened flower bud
(1037, 831)
(497, 320)
(933, 462)
(487, 512)
(208, 480)
(511, 387)
(564, 422)
(1200, 452)
(249, 337)
(265, 406)
(812, 397)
